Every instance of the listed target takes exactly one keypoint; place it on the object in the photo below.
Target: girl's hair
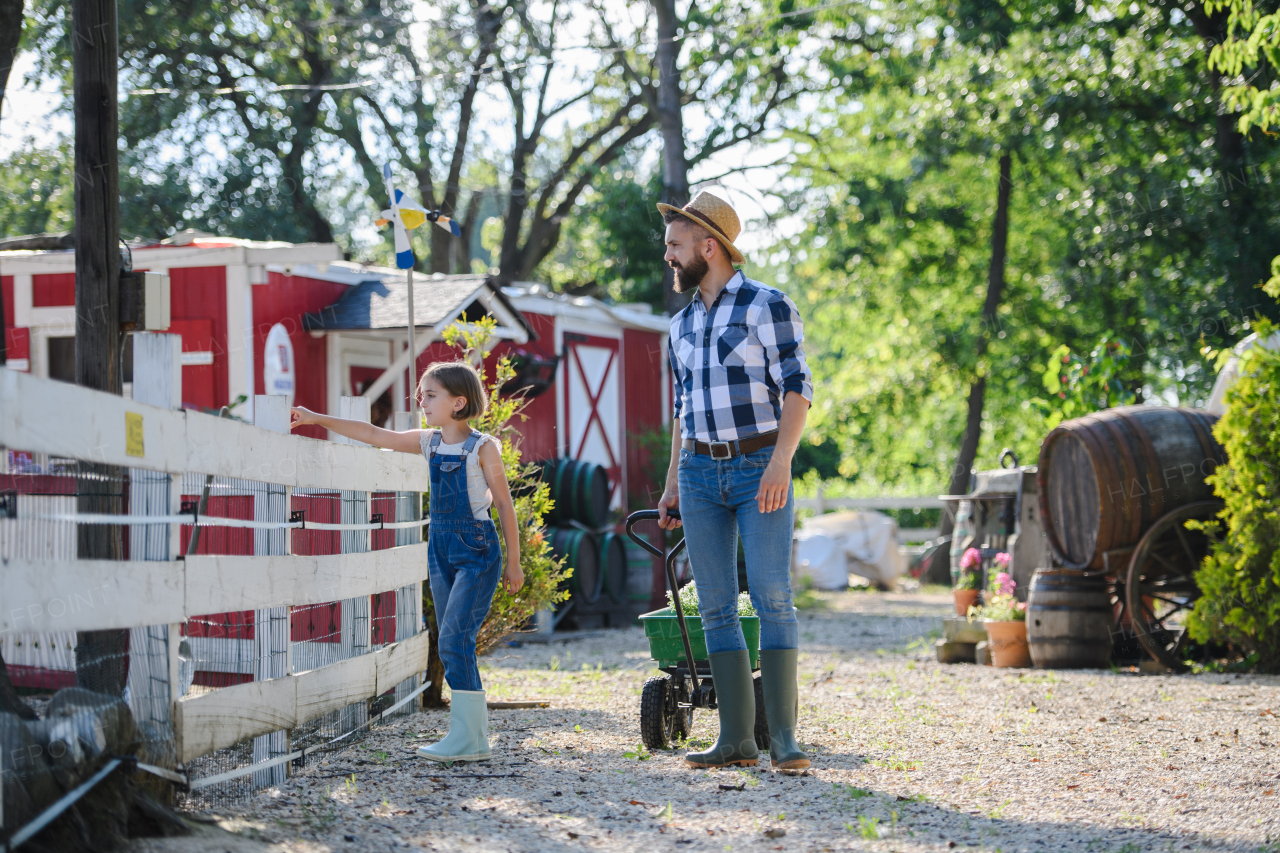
(459, 379)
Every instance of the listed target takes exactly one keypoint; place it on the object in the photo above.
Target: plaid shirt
(731, 366)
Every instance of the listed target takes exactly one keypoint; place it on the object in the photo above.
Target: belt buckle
(717, 446)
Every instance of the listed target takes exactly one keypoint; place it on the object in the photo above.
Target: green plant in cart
(689, 601)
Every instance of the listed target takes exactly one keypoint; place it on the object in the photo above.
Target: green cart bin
(667, 648)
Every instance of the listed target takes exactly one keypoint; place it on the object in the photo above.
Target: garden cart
(678, 645)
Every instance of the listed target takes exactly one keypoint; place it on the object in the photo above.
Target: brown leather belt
(730, 449)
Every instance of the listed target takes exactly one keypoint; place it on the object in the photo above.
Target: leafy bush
(1083, 385)
(1240, 579)
(689, 601)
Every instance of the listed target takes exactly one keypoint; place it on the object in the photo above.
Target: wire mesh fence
(64, 509)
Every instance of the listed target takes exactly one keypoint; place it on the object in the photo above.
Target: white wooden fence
(820, 504)
(44, 589)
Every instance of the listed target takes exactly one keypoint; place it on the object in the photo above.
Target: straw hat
(717, 216)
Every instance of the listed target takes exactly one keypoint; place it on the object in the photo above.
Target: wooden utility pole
(97, 195)
(11, 14)
(102, 662)
(675, 169)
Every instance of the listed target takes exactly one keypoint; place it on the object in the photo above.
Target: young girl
(463, 554)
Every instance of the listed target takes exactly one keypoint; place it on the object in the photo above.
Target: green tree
(1119, 221)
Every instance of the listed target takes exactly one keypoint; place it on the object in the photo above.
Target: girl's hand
(301, 416)
(513, 578)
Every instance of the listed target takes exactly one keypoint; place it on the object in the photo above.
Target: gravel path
(908, 755)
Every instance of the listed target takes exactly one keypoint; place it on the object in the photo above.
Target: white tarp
(829, 548)
(1217, 404)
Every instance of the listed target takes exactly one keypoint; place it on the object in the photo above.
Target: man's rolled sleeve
(782, 335)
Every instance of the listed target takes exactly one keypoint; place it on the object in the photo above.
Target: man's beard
(689, 277)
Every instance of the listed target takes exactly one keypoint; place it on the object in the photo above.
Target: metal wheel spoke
(1180, 583)
(1192, 559)
(1150, 614)
(1168, 595)
(1170, 567)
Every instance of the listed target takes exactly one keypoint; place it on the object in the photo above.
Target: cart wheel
(762, 720)
(1161, 587)
(662, 721)
(681, 718)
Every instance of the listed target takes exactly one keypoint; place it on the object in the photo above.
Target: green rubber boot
(736, 704)
(468, 737)
(778, 678)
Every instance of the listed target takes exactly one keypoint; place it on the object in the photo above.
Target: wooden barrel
(1104, 479)
(580, 491)
(1069, 620)
(613, 566)
(562, 490)
(581, 552)
(591, 494)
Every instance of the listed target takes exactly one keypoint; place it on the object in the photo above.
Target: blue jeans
(465, 565)
(717, 498)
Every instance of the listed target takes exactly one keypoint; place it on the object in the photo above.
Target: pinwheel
(405, 216)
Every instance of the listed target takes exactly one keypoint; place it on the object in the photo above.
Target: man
(742, 391)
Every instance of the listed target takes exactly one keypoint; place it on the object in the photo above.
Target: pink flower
(971, 558)
(1022, 605)
(1005, 583)
(1003, 560)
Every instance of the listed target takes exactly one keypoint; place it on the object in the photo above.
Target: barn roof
(378, 299)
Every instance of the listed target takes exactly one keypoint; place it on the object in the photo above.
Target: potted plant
(1006, 620)
(966, 589)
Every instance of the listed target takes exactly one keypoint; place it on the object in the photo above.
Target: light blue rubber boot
(468, 737)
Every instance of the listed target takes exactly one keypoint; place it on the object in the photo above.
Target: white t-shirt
(477, 486)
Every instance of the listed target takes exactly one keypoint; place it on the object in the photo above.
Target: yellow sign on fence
(133, 434)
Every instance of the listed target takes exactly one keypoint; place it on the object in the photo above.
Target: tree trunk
(11, 14)
(675, 169)
(977, 388)
(1253, 250)
(101, 656)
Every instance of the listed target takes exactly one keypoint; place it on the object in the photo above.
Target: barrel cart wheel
(1161, 588)
(665, 715)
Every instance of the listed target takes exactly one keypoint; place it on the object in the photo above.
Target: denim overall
(465, 563)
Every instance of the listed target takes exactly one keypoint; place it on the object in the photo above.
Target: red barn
(259, 318)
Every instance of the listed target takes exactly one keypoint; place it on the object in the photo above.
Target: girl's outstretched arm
(496, 476)
(405, 442)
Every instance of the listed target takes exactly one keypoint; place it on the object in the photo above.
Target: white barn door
(593, 405)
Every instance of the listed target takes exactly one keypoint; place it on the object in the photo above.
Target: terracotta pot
(1008, 644)
(965, 598)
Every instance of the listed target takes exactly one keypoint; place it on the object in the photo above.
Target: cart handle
(670, 563)
(651, 515)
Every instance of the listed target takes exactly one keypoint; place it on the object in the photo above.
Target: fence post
(408, 598)
(271, 625)
(355, 639)
(154, 674)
